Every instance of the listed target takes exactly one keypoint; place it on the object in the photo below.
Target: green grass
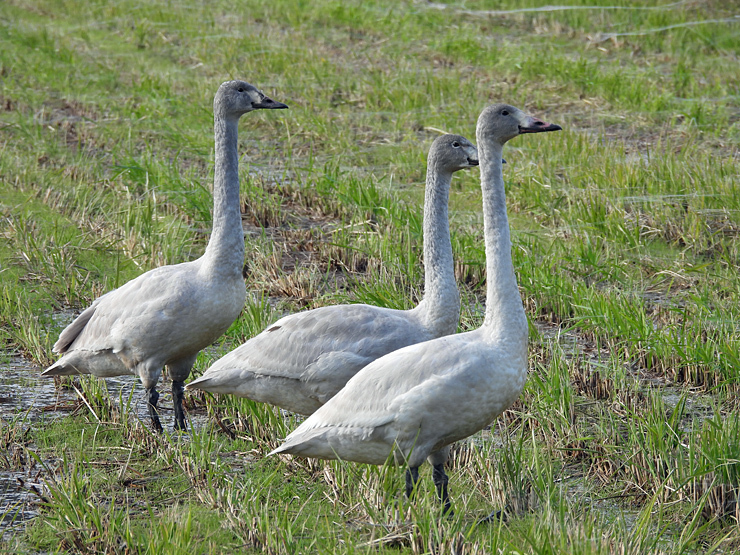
(625, 241)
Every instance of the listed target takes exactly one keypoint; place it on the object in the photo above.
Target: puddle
(27, 398)
(26, 395)
(18, 503)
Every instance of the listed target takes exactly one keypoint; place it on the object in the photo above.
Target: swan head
(235, 98)
(502, 122)
(450, 153)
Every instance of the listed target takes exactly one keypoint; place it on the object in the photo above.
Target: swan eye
(240, 89)
(504, 112)
(456, 144)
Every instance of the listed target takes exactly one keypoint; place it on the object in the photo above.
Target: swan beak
(535, 125)
(268, 103)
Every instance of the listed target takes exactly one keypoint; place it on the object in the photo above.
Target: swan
(168, 314)
(302, 360)
(413, 403)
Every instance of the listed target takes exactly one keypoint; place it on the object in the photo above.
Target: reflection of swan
(165, 316)
(302, 360)
(415, 402)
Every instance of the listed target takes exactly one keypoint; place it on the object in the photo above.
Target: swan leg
(495, 516)
(152, 398)
(177, 397)
(412, 478)
(440, 481)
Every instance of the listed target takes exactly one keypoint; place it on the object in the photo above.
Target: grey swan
(167, 315)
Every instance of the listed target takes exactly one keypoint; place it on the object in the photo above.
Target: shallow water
(26, 399)
(18, 503)
(25, 394)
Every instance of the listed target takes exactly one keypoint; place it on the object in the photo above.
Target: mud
(27, 399)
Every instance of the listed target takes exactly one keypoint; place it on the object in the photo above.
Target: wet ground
(27, 399)
(24, 398)
(25, 395)
(19, 500)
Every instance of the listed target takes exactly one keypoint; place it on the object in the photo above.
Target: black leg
(412, 478)
(495, 516)
(440, 481)
(152, 399)
(177, 396)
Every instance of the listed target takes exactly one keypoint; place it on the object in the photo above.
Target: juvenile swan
(165, 316)
(413, 403)
(302, 360)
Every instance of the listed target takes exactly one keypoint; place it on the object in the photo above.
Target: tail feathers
(60, 368)
(225, 380)
(200, 383)
(332, 442)
(299, 442)
(70, 333)
(104, 364)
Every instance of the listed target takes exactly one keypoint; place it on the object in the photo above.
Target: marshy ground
(625, 240)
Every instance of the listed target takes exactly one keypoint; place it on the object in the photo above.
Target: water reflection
(27, 399)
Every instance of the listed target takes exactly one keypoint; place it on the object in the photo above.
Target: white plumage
(165, 316)
(413, 403)
(302, 360)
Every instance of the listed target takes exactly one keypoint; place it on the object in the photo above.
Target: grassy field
(625, 229)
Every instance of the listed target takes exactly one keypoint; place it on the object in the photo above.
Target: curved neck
(441, 304)
(504, 310)
(225, 249)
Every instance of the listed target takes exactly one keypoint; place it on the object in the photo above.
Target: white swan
(415, 402)
(165, 316)
(302, 360)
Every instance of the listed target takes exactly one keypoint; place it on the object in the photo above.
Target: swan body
(413, 403)
(304, 359)
(166, 316)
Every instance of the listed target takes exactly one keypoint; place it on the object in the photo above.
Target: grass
(625, 242)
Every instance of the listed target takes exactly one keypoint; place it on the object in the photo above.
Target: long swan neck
(441, 304)
(504, 310)
(225, 249)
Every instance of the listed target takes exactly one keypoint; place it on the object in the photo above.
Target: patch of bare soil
(73, 123)
(305, 261)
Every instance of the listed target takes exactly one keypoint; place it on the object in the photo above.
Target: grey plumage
(166, 316)
(302, 360)
(413, 403)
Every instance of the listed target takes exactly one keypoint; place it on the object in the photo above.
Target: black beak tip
(270, 104)
(540, 127)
